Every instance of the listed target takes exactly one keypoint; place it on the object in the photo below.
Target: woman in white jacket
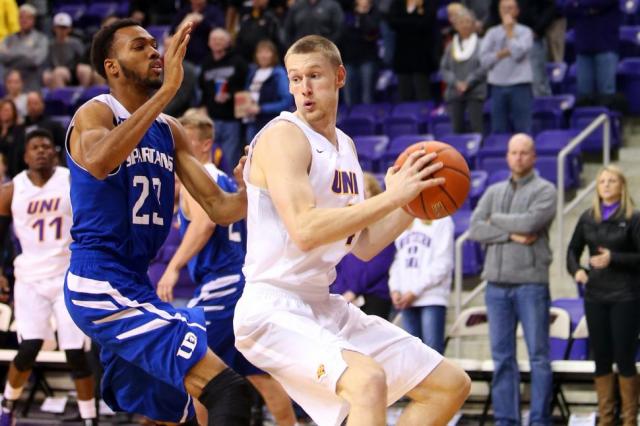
(420, 278)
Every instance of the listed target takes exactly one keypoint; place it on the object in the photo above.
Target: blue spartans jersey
(127, 215)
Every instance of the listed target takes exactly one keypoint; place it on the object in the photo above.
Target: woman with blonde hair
(610, 229)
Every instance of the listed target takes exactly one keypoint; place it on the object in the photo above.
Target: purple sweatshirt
(364, 278)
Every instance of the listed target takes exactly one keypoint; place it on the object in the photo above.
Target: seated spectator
(369, 280)
(610, 229)
(462, 70)
(204, 17)
(25, 50)
(321, 17)
(269, 87)
(259, 24)
(359, 47)
(36, 118)
(595, 25)
(11, 138)
(65, 52)
(420, 278)
(504, 51)
(14, 88)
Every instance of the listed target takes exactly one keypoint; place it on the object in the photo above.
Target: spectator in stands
(65, 53)
(186, 96)
(259, 24)
(481, 10)
(538, 16)
(369, 281)
(359, 48)
(505, 52)
(416, 54)
(11, 137)
(224, 73)
(152, 12)
(204, 17)
(268, 85)
(610, 229)
(14, 87)
(321, 17)
(512, 220)
(36, 118)
(596, 25)
(87, 76)
(8, 18)
(25, 50)
(420, 278)
(462, 70)
(556, 34)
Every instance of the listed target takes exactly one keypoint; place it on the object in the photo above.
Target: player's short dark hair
(103, 41)
(38, 133)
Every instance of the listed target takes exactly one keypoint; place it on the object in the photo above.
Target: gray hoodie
(524, 206)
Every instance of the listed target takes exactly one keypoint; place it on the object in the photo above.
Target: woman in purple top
(611, 231)
(367, 279)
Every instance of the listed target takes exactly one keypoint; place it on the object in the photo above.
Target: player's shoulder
(281, 135)
(94, 111)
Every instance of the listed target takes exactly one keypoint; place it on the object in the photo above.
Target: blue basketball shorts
(148, 346)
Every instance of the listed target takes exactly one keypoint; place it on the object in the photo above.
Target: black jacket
(620, 281)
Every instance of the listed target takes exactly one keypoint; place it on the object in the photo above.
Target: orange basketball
(442, 200)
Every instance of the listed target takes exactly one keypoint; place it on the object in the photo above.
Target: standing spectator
(25, 50)
(414, 22)
(11, 137)
(481, 9)
(269, 87)
(205, 17)
(512, 220)
(610, 229)
(8, 18)
(420, 278)
(36, 118)
(14, 86)
(370, 280)
(462, 70)
(65, 53)
(595, 24)
(320, 17)
(505, 52)
(257, 25)
(556, 34)
(359, 47)
(223, 74)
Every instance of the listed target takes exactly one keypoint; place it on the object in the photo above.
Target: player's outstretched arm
(199, 231)
(222, 207)
(6, 196)
(281, 160)
(99, 146)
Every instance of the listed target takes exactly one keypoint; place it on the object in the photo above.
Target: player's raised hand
(173, 57)
(167, 281)
(238, 172)
(407, 181)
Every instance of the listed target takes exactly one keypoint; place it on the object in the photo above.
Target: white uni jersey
(42, 221)
(272, 256)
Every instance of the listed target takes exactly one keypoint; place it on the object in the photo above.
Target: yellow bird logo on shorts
(320, 372)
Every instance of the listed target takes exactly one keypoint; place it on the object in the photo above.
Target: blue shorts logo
(188, 345)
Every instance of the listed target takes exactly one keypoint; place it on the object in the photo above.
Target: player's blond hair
(196, 119)
(626, 202)
(316, 44)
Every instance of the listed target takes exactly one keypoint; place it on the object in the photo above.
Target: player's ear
(341, 76)
(111, 67)
(207, 145)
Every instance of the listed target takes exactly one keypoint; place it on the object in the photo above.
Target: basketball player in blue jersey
(215, 255)
(122, 154)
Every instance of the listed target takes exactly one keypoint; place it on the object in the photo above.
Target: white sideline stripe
(126, 313)
(96, 304)
(213, 308)
(144, 328)
(81, 284)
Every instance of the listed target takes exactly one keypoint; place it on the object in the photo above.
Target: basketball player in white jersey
(37, 200)
(306, 211)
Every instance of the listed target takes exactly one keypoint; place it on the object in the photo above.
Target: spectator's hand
(508, 21)
(167, 281)
(222, 97)
(349, 296)
(4, 289)
(526, 239)
(503, 53)
(602, 260)
(396, 296)
(407, 300)
(581, 276)
(173, 57)
(462, 86)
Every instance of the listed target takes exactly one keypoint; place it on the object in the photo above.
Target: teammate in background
(37, 200)
(215, 255)
(122, 154)
(306, 211)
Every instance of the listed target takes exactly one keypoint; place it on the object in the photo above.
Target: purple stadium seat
(398, 126)
(370, 150)
(550, 112)
(579, 348)
(472, 258)
(123, 8)
(158, 32)
(74, 10)
(440, 124)
(629, 41)
(498, 174)
(629, 9)
(582, 117)
(64, 120)
(96, 12)
(418, 110)
(479, 179)
(398, 144)
(343, 112)
(629, 72)
(552, 141)
(385, 85)
(490, 164)
(2, 91)
(89, 93)
(569, 47)
(547, 167)
(378, 112)
(358, 126)
(467, 144)
(65, 2)
(556, 72)
(60, 101)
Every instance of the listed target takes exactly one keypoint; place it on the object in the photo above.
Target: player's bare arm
(280, 163)
(222, 207)
(6, 195)
(199, 231)
(99, 146)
